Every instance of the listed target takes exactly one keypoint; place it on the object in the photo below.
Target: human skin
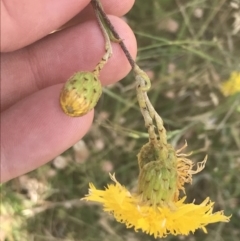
(34, 67)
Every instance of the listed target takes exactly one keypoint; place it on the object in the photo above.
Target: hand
(35, 64)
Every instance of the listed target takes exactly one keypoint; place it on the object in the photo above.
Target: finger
(54, 59)
(111, 7)
(117, 8)
(27, 21)
(41, 133)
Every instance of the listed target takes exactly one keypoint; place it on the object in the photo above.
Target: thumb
(26, 21)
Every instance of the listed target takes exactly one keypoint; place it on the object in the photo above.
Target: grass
(188, 56)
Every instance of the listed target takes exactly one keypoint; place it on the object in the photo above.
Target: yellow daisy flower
(232, 85)
(156, 208)
(157, 221)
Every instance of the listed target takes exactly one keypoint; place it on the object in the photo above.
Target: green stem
(109, 25)
(108, 46)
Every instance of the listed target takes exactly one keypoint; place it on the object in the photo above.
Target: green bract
(157, 182)
(80, 94)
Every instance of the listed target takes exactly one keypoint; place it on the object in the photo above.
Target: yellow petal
(232, 85)
(160, 221)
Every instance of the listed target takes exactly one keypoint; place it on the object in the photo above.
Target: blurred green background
(188, 48)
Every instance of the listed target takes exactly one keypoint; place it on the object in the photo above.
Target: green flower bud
(158, 177)
(80, 94)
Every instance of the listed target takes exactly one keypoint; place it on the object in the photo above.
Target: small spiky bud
(80, 94)
(158, 177)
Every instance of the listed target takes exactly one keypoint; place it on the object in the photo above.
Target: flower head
(156, 207)
(158, 221)
(232, 85)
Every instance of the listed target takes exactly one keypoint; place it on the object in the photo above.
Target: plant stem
(108, 46)
(114, 32)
